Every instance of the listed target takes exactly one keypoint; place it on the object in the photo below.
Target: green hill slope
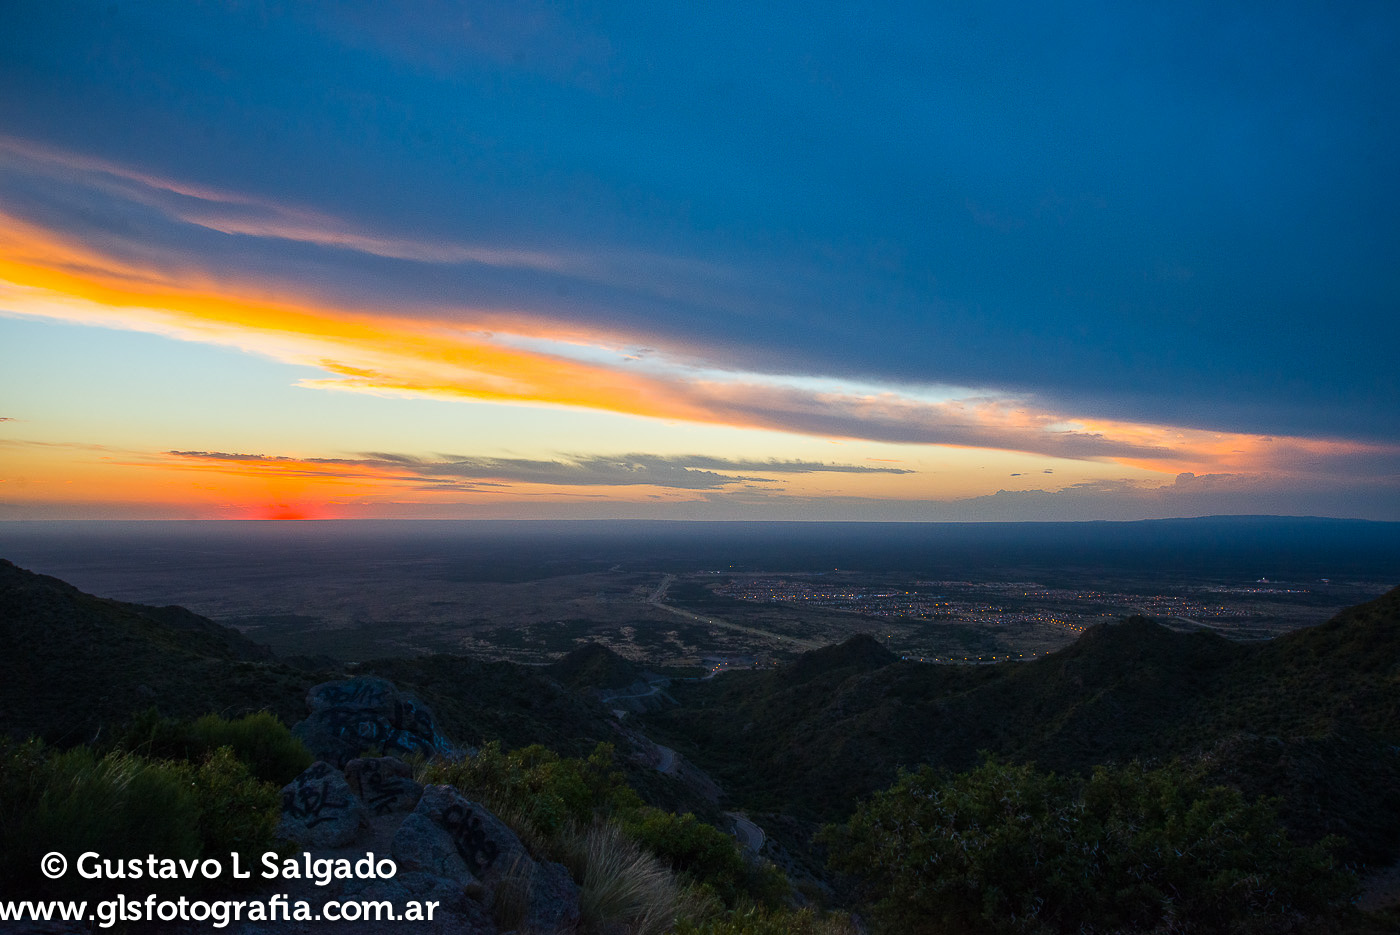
(78, 665)
(593, 665)
(479, 701)
(1313, 717)
(74, 663)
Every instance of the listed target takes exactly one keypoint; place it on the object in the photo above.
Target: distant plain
(718, 594)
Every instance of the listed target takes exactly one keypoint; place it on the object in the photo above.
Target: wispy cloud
(262, 485)
(1187, 494)
(110, 196)
(776, 466)
(235, 213)
(697, 472)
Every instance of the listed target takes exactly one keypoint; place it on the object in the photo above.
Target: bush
(1006, 848)
(120, 805)
(124, 806)
(272, 752)
(550, 791)
(619, 882)
(237, 811)
(555, 803)
(706, 855)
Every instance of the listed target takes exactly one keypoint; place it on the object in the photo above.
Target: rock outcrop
(319, 810)
(446, 848)
(385, 784)
(351, 716)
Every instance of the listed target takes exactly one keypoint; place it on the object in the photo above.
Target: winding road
(658, 598)
(750, 835)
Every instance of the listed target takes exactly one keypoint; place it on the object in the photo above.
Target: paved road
(658, 597)
(655, 687)
(1196, 623)
(1205, 626)
(667, 763)
(750, 835)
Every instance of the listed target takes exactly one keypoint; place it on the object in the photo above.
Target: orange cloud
(1193, 450)
(484, 354)
(367, 352)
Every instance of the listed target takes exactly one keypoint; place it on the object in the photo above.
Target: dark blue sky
(1180, 214)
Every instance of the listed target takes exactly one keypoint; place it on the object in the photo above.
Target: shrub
(510, 902)
(700, 851)
(120, 805)
(623, 854)
(237, 811)
(1006, 848)
(621, 882)
(549, 790)
(124, 806)
(272, 752)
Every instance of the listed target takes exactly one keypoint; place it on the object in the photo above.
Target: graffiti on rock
(382, 790)
(351, 694)
(406, 729)
(476, 848)
(312, 803)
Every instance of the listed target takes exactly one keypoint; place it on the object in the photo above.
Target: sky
(958, 261)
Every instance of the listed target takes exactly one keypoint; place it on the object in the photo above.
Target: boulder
(319, 810)
(554, 900)
(421, 845)
(385, 784)
(485, 843)
(350, 716)
(485, 849)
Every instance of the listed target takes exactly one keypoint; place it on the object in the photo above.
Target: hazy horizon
(1252, 540)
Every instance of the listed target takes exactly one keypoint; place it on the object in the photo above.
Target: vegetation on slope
(642, 870)
(1311, 717)
(516, 706)
(1010, 849)
(75, 663)
(82, 667)
(594, 665)
(148, 798)
(475, 702)
(185, 787)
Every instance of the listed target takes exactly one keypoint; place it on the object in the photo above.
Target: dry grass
(520, 819)
(622, 883)
(510, 900)
(623, 887)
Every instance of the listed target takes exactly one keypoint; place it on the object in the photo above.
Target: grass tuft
(510, 900)
(621, 882)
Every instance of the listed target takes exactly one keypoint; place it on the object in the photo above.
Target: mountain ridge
(1314, 717)
(77, 663)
